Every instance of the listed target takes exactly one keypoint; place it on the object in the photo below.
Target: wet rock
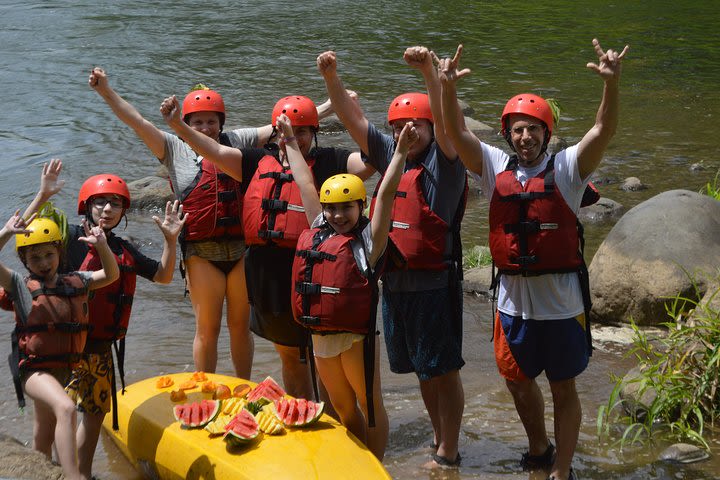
(477, 281)
(557, 144)
(635, 403)
(697, 167)
(19, 461)
(632, 184)
(478, 128)
(331, 124)
(647, 256)
(604, 209)
(465, 108)
(683, 453)
(150, 192)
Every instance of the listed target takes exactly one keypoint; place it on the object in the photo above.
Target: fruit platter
(198, 425)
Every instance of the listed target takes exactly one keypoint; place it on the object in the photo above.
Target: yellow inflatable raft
(154, 442)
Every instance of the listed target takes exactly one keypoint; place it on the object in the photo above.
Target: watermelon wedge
(196, 414)
(267, 391)
(241, 430)
(298, 412)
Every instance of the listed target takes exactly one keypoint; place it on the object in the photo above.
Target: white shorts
(332, 345)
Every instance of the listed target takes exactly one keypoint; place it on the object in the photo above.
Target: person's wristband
(290, 139)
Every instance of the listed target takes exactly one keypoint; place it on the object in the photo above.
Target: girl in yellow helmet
(345, 356)
(51, 326)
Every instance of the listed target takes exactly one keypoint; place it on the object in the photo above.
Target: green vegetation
(477, 256)
(713, 189)
(48, 210)
(681, 372)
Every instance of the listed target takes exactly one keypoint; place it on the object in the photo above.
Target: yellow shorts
(91, 383)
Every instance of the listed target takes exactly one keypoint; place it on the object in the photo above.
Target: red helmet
(104, 184)
(300, 110)
(528, 104)
(410, 105)
(203, 101)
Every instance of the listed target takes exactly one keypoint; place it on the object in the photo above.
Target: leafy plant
(477, 256)
(713, 189)
(681, 369)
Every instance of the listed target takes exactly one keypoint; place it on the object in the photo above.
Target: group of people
(273, 226)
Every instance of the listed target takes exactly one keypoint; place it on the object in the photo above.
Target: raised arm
(592, 146)
(49, 186)
(466, 144)
(421, 59)
(302, 175)
(110, 272)
(148, 133)
(347, 109)
(170, 226)
(228, 159)
(380, 222)
(15, 225)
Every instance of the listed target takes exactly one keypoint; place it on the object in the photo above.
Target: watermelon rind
(197, 414)
(242, 429)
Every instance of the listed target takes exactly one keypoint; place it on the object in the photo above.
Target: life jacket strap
(63, 327)
(270, 234)
(279, 176)
(274, 205)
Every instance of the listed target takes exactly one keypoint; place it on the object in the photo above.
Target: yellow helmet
(44, 230)
(344, 187)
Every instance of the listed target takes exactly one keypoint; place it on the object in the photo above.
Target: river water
(256, 52)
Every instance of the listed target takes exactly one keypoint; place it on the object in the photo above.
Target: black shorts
(268, 275)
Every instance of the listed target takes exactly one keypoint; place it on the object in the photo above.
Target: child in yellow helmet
(51, 326)
(340, 350)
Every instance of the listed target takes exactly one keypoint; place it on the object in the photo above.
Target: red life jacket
(273, 213)
(532, 230)
(110, 306)
(213, 203)
(57, 325)
(330, 293)
(419, 234)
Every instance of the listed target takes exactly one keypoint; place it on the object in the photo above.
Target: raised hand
(327, 63)
(94, 235)
(49, 183)
(17, 225)
(609, 62)
(98, 79)
(285, 127)
(408, 136)
(170, 110)
(448, 68)
(419, 57)
(174, 220)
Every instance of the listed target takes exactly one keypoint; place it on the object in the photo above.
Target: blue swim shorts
(524, 348)
(423, 331)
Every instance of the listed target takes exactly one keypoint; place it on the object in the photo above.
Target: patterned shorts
(91, 382)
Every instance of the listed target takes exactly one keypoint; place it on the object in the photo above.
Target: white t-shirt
(553, 296)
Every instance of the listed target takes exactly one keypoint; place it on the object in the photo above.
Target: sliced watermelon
(197, 414)
(298, 412)
(241, 430)
(268, 391)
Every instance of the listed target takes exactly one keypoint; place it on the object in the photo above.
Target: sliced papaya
(241, 390)
(208, 387)
(164, 382)
(188, 385)
(199, 376)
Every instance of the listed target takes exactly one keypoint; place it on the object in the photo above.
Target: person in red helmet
(273, 218)
(422, 296)
(536, 244)
(102, 201)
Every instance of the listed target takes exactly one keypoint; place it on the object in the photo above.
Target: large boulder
(19, 461)
(150, 193)
(665, 246)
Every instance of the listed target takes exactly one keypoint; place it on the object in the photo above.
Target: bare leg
(45, 390)
(296, 375)
(88, 434)
(444, 399)
(354, 368)
(242, 344)
(207, 293)
(567, 419)
(342, 395)
(530, 406)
